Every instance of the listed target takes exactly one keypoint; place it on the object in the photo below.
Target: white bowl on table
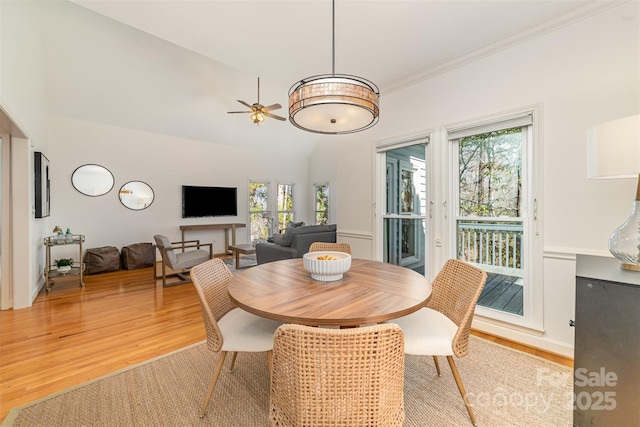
(326, 266)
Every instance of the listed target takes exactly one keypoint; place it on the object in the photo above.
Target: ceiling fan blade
(236, 112)
(244, 103)
(272, 107)
(273, 116)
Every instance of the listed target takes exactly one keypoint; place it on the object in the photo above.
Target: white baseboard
(531, 340)
(355, 234)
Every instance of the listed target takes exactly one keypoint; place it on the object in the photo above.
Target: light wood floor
(75, 334)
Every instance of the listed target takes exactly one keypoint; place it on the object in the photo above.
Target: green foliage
(322, 218)
(490, 173)
(322, 204)
(258, 210)
(285, 206)
(63, 262)
(258, 196)
(285, 197)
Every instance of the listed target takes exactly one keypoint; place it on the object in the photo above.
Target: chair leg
(155, 264)
(164, 275)
(463, 393)
(212, 385)
(435, 361)
(233, 360)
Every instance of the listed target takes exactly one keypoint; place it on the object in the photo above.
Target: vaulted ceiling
(176, 67)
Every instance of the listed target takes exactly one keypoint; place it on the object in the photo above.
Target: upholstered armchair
(179, 257)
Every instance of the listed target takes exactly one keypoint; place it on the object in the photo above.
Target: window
(285, 206)
(493, 211)
(321, 203)
(259, 211)
(404, 203)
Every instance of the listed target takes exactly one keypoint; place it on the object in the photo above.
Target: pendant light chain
(333, 37)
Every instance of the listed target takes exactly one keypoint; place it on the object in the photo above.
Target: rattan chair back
(324, 246)
(211, 279)
(456, 290)
(337, 377)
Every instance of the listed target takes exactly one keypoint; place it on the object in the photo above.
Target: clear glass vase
(624, 242)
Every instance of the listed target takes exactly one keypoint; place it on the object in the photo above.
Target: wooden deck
(502, 293)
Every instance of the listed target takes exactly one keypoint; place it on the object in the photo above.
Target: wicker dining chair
(325, 246)
(228, 328)
(337, 377)
(442, 327)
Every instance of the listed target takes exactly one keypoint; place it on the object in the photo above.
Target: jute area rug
(505, 387)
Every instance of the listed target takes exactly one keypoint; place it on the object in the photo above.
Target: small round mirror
(136, 195)
(92, 180)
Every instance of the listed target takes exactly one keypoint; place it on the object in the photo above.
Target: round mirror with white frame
(92, 180)
(136, 195)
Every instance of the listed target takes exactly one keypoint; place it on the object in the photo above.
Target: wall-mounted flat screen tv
(209, 201)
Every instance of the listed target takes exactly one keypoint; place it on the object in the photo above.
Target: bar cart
(77, 269)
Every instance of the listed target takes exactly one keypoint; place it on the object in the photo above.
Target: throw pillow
(287, 237)
(278, 239)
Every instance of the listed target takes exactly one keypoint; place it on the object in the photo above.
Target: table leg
(237, 258)
(226, 241)
(81, 264)
(233, 234)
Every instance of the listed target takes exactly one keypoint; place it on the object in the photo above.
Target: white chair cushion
(427, 332)
(243, 331)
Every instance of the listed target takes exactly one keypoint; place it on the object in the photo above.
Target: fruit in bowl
(326, 266)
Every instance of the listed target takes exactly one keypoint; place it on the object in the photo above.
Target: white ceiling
(392, 43)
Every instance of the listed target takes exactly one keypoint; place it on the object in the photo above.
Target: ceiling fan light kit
(257, 117)
(334, 103)
(259, 111)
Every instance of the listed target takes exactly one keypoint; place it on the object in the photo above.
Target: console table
(225, 227)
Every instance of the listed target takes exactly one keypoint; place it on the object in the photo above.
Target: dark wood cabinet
(607, 344)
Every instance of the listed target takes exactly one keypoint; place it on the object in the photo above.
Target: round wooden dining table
(370, 292)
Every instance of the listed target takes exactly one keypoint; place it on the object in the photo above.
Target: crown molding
(587, 10)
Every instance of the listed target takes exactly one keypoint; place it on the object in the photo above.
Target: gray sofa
(294, 242)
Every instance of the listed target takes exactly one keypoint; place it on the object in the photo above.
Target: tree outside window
(494, 211)
(285, 206)
(490, 197)
(490, 174)
(258, 211)
(321, 192)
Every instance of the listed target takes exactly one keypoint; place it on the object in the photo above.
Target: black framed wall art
(42, 185)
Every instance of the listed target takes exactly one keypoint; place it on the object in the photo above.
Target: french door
(404, 214)
(493, 210)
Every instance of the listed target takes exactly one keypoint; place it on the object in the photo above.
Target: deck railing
(497, 245)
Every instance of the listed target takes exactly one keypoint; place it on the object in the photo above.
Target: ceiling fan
(259, 111)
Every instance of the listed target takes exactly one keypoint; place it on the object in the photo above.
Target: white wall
(579, 76)
(23, 94)
(37, 37)
(345, 162)
(165, 163)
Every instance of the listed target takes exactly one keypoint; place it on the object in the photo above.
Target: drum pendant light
(334, 103)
